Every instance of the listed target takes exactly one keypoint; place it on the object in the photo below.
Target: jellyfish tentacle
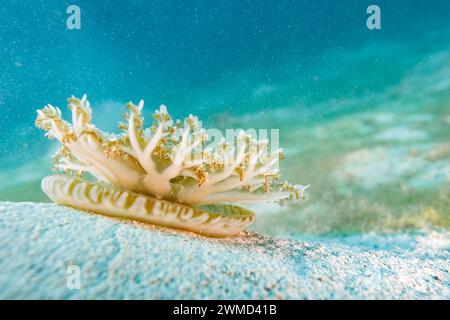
(162, 161)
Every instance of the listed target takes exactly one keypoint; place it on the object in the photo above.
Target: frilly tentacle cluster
(169, 160)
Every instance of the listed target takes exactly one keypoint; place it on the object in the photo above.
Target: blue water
(208, 58)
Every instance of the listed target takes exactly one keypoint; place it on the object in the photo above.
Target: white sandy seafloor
(123, 260)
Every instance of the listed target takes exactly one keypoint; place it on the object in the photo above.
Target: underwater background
(364, 115)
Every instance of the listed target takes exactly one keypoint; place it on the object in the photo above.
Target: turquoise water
(364, 115)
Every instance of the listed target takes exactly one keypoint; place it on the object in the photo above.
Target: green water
(364, 116)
